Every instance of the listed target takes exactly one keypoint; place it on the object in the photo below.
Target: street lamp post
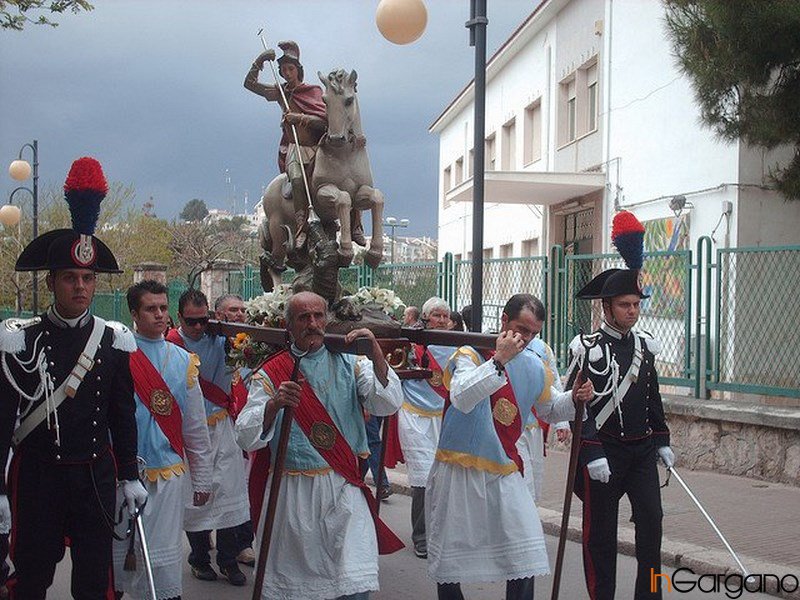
(401, 22)
(20, 170)
(392, 223)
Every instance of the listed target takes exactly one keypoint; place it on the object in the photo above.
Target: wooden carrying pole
(277, 475)
(574, 451)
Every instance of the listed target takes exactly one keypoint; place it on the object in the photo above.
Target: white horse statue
(341, 187)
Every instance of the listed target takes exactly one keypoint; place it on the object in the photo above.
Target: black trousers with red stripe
(53, 502)
(633, 473)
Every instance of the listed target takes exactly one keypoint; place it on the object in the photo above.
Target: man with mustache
(326, 528)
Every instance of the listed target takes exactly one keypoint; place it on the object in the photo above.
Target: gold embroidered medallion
(504, 411)
(161, 402)
(436, 379)
(323, 436)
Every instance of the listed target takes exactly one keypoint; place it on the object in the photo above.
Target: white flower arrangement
(385, 299)
(268, 309)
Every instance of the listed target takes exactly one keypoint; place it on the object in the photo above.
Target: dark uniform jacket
(104, 403)
(642, 410)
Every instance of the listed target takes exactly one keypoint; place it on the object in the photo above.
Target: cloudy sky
(153, 89)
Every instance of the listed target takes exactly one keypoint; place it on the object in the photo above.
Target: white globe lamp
(401, 21)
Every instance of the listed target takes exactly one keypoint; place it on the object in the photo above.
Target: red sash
(324, 435)
(419, 351)
(394, 452)
(507, 433)
(146, 381)
(238, 394)
(211, 391)
(260, 461)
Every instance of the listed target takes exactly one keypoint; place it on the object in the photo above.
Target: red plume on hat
(84, 189)
(627, 234)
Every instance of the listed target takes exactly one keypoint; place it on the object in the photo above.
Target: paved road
(404, 577)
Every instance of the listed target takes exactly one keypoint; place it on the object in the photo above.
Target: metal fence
(757, 310)
(726, 322)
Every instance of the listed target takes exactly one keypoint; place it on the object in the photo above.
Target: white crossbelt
(68, 388)
(630, 378)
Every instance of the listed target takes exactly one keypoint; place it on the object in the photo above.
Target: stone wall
(749, 440)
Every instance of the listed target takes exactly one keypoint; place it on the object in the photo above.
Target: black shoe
(204, 573)
(421, 552)
(234, 575)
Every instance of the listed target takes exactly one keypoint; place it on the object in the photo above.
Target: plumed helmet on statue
(75, 248)
(627, 235)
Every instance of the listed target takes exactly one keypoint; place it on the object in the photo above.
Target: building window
(506, 250)
(488, 253)
(471, 163)
(579, 103)
(532, 133)
(572, 102)
(491, 153)
(591, 104)
(446, 185)
(457, 257)
(530, 247)
(508, 152)
(459, 170)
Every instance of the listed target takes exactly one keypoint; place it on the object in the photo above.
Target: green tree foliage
(15, 14)
(744, 61)
(194, 210)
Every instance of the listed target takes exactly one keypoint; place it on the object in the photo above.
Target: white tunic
(324, 542)
(483, 526)
(228, 505)
(419, 437)
(163, 513)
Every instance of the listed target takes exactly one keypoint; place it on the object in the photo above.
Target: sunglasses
(192, 321)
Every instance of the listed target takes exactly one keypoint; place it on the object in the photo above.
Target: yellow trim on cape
(447, 373)
(420, 411)
(310, 472)
(216, 417)
(193, 372)
(165, 473)
(470, 461)
(549, 378)
(534, 425)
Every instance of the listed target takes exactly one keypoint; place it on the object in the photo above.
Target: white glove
(667, 456)
(5, 515)
(599, 470)
(135, 494)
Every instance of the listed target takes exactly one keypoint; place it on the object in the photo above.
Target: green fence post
(701, 370)
(445, 290)
(557, 312)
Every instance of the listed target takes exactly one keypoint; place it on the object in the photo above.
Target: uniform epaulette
(123, 337)
(12, 333)
(576, 347)
(653, 343)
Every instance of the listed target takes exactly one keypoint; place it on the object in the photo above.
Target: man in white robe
(324, 533)
(160, 431)
(482, 521)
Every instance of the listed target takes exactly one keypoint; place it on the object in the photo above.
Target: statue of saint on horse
(325, 179)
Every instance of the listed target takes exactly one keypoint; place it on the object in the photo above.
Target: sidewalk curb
(673, 553)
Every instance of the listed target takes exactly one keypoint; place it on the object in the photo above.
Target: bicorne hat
(75, 248)
(627, 235)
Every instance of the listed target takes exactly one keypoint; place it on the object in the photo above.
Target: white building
(586, 113)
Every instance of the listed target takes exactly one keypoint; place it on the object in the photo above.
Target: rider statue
(306, 111)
